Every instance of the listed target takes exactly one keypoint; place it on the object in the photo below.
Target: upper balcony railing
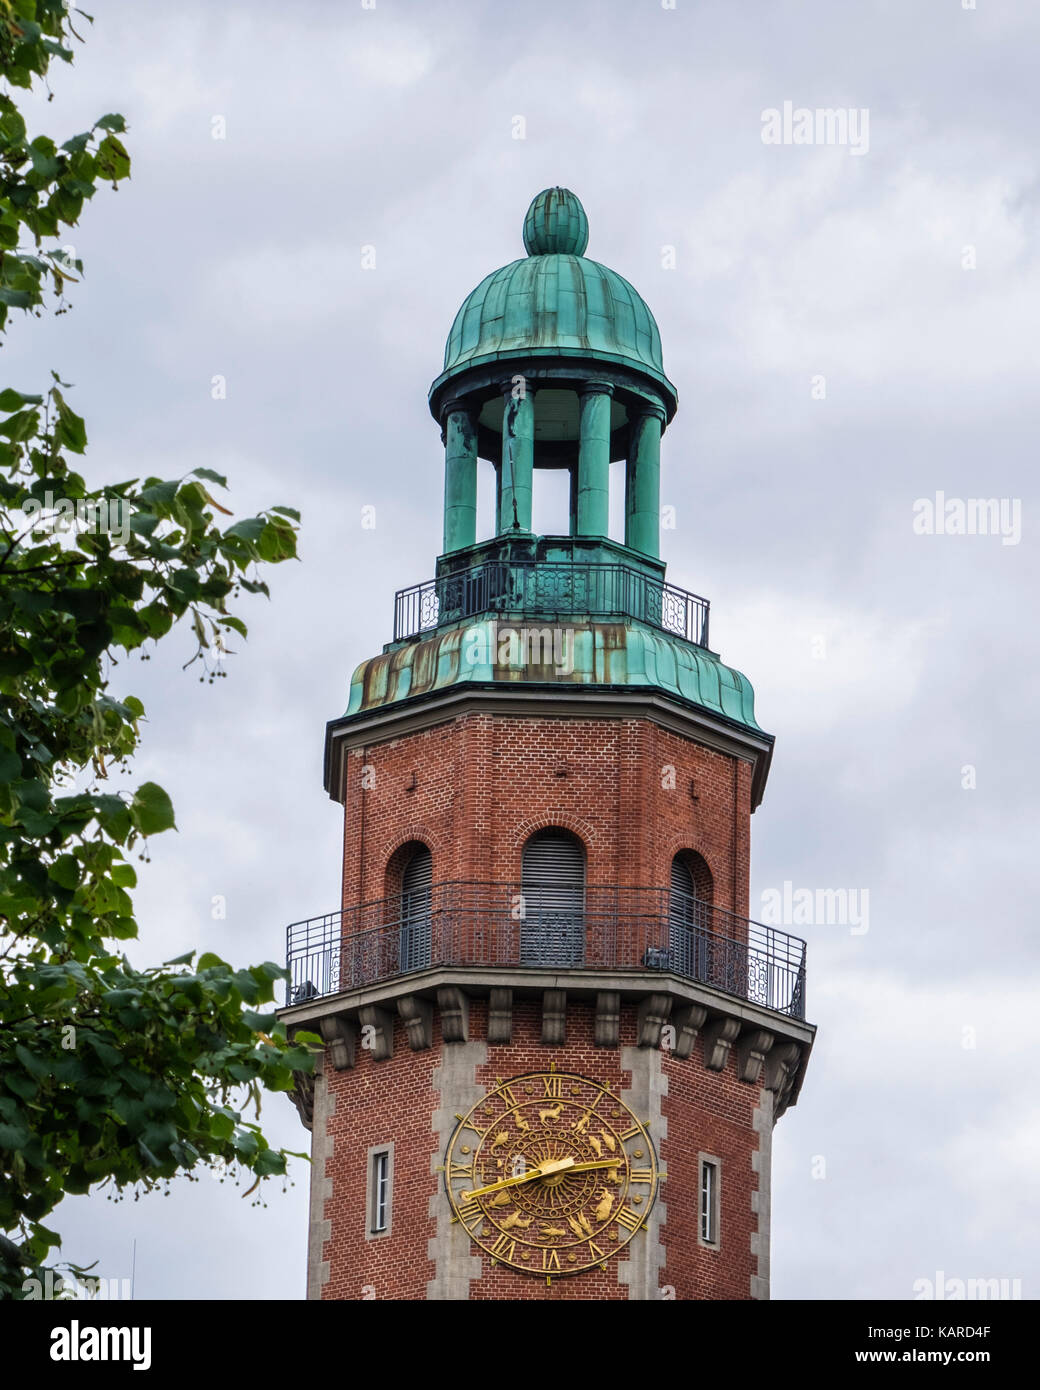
(499, 925)
(548, 590)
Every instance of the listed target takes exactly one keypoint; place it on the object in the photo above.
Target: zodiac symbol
(553, 1114)
(596, 1145)
(522, 1124)
(553, 1230)
(603, 1207)
(583, 1123)
(582, 1229)
(608, 1139)
(501, 1199)
(514, 1219)
(502, 1137)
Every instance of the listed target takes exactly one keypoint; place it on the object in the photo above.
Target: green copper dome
(554, 302)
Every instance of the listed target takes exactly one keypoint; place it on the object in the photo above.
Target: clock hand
(599, 1163)
(544, 1170)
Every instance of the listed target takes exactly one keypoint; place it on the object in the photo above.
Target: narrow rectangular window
(381, 1191)
(709, 1201)
(379, 1201)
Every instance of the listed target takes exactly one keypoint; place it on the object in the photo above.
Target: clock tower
(555, 1044)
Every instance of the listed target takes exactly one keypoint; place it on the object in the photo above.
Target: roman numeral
(595, 1251)
(553, 1087)
(629, 1219)
(508, 1095)
(470, 1211)
(641, 1175)
(631, 1133)
(550, 1260)
(503, 1247)
(463, 1171)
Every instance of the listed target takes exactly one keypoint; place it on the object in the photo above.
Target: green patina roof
(602, 654)
(556, 222)
(554, 302)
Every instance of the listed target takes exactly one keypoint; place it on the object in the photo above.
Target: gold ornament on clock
(551, 1173)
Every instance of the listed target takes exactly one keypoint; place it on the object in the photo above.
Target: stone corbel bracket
(417, 1015)
(341, 1035)
(673, 1015)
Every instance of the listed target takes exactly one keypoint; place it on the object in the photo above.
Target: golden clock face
(551, 1173)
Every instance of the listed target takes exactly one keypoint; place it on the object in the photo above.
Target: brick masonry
(473, 789)
(411, 1099)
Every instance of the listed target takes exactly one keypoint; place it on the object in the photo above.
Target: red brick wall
(484, 783)
(710, 1113)
(378, 1102)
(395, 1100)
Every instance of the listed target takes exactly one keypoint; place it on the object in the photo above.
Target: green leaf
(209, 476)
(161, 493)
(152, 810)
(13, 1136)
(17, 299)
(222, 1125)
(260, 1023)
(72, 432)
(113, 162)
(10, 765)
(250, 529)
(66, 871)
(13, 400)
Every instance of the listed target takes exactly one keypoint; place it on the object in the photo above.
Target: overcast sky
(886, 662)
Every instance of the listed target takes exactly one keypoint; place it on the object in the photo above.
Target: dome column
(643, 482)
(516, 472)
(593, 506)
(460, 476)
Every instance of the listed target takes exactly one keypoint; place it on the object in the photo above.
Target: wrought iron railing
(643, 930)
(554, 589)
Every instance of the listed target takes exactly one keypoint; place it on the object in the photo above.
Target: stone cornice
(772, 1049)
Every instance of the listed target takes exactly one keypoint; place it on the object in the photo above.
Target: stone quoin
(556, 1045)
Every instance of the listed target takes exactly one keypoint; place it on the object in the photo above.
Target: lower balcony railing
(500, 925)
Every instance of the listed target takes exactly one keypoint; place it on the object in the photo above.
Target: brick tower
(556, 1046)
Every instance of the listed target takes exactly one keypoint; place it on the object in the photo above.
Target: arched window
(689, 916)
(552, 930)
(416, 910)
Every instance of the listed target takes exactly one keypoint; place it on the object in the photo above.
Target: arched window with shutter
(552, 931)
(416, 910)
(689, 916)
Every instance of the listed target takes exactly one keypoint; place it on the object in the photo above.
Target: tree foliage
(109, 1073)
